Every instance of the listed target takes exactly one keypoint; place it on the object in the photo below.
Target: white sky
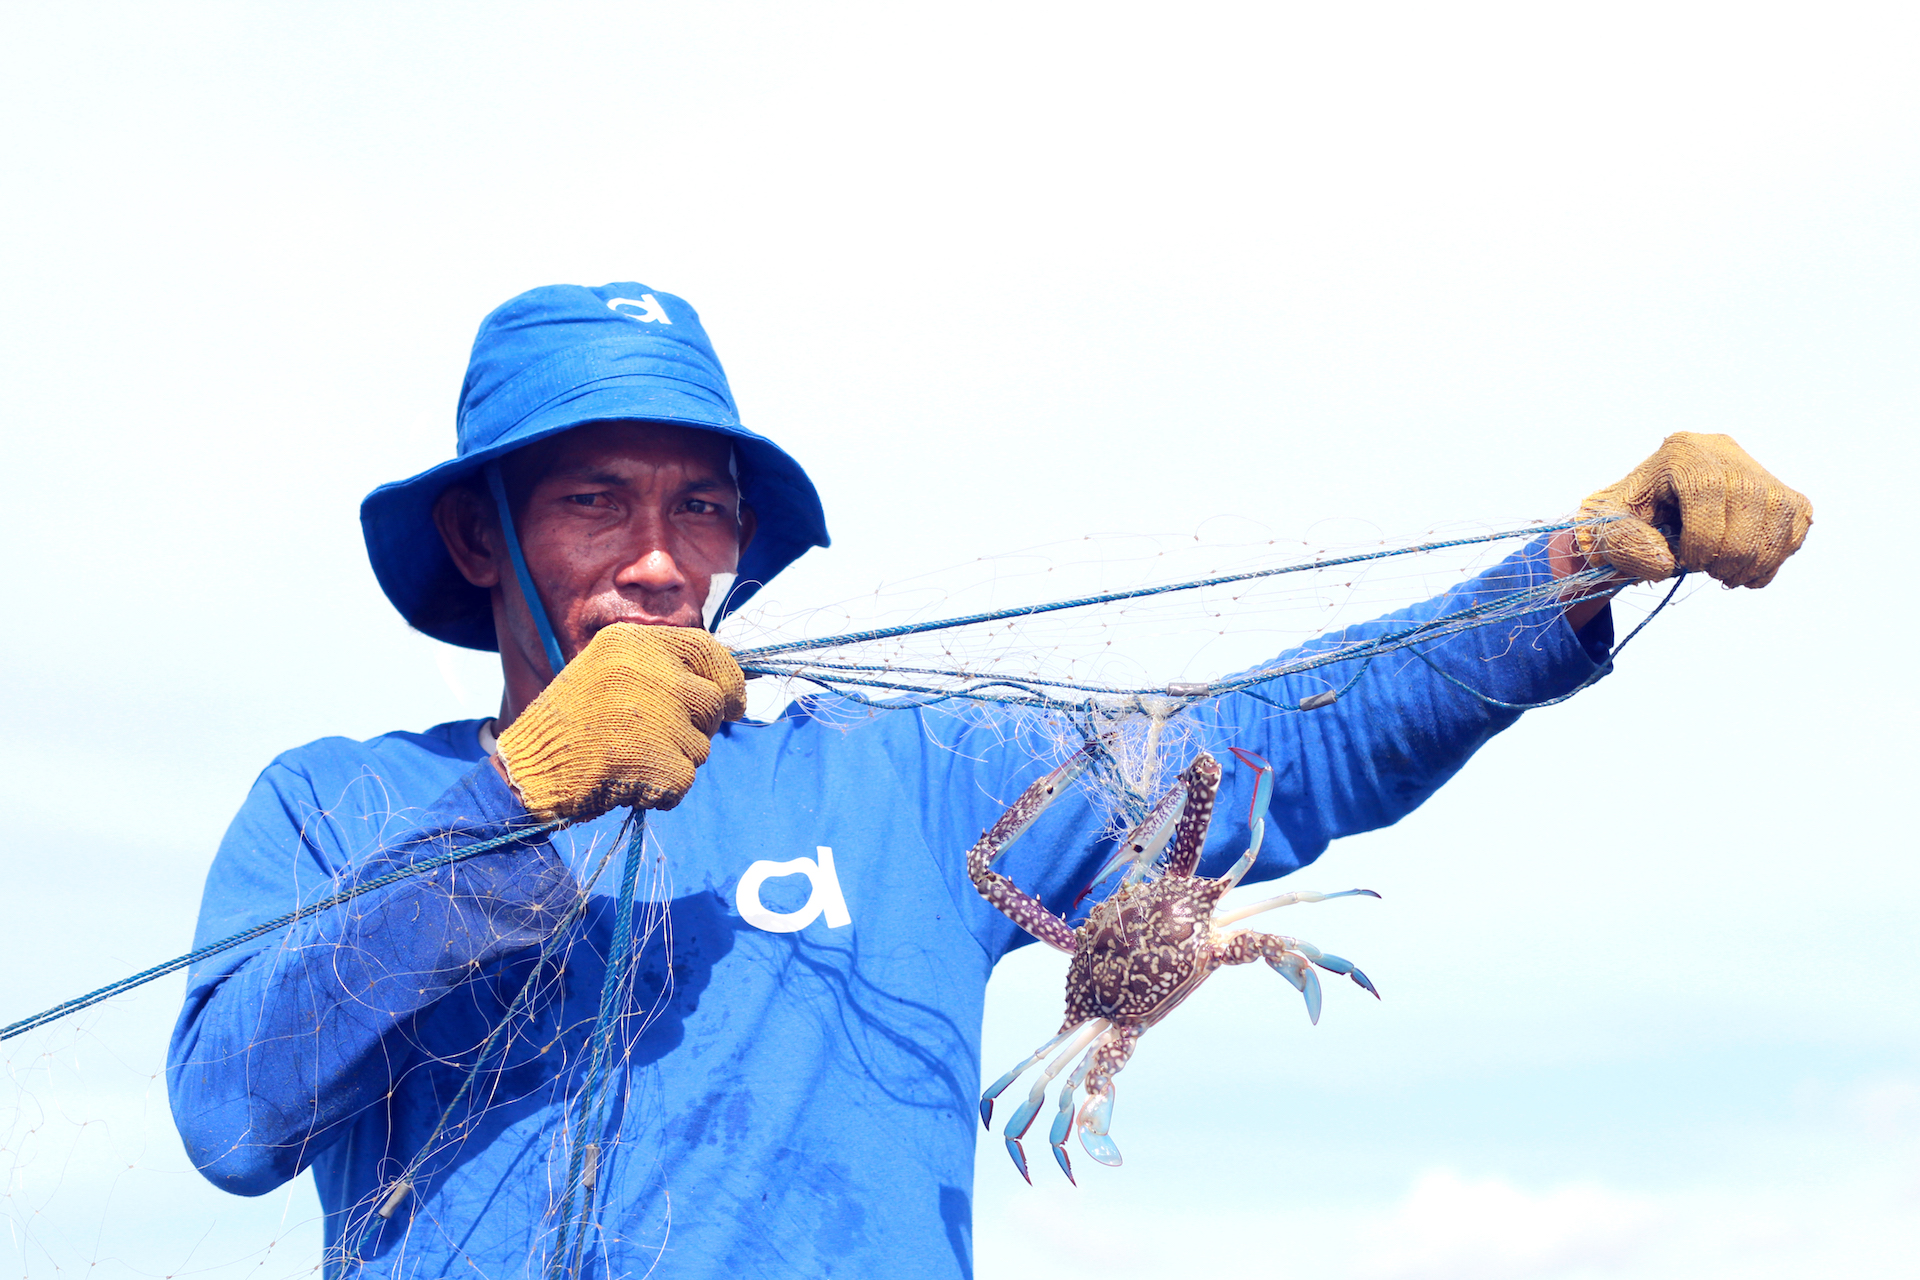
(999, 275)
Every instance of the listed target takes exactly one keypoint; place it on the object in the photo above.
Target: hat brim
(419, 577)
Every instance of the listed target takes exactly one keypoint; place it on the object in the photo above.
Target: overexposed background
(999, 275)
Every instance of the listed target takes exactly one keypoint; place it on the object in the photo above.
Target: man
(792, 1076)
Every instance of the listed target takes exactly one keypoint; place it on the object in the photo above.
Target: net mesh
(92, 1175)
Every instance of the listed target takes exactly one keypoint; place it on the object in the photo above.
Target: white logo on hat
(825, 898)
(650, 309)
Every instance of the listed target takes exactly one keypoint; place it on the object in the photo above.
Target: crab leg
(1022, 1120)
(1203, 778)
(1144, 843)
(1334, 964)
(1063, 1118)
(1024, 909)
(999, 1086)
(1331, 963)
(1293, 960)
(1256, 816)
(1097, 1115)
(1168, 825)
(1222, 919)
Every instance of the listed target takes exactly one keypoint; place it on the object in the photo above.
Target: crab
(1142, 950)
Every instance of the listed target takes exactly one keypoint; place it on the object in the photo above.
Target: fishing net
(1124, 642)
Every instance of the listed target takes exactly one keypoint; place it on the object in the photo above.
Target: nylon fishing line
(1058, 652)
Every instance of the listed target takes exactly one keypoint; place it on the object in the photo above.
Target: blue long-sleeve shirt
(797, 1063)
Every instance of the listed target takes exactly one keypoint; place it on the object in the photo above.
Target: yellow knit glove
(626, 723)
(1736, 522)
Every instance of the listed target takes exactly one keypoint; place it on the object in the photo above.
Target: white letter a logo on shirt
(825, 899)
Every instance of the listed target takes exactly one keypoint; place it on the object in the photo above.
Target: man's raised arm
(1700, 503)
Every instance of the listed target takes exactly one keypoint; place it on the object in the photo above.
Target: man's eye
(585, 499)
(701, 507)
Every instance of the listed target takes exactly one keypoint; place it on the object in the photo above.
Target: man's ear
(466, 527)
(748, 523)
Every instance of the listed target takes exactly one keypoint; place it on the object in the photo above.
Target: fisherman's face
(619, 522)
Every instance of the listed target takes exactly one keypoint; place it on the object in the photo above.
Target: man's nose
(652, 569)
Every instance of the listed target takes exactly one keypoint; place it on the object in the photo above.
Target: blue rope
(1338, 694)
(145, 976)
(1554, 593)
(498, 487)
(1579, 688)
(1028, 611)
(593, 1118)
(888, 668)
(1534, 599)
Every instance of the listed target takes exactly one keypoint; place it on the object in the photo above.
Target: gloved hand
(1735, 522)
(626, 723)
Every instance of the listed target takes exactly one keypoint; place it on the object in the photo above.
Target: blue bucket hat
(550, 360)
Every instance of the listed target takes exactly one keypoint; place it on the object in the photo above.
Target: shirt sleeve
(1364, 761)
(1409, 722)
(283, 1040)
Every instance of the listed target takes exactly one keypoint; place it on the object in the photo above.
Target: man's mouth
(641, 620)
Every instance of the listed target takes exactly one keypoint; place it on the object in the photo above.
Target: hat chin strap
(498, 488)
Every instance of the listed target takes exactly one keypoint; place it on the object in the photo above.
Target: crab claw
(1019, 1159)
(1101, 1148)
(1289, 966)
(1095, 1118)
(1295, 969)
(1097, 1115)
(1311, 989)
